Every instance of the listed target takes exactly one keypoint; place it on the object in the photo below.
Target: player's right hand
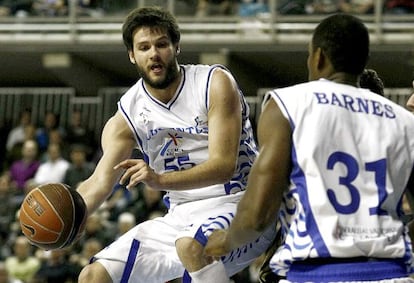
(136, 171)
(217, 245)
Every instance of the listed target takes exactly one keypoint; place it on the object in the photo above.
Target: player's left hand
(218, 244)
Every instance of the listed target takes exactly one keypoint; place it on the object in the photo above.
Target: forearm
(94, 193)
(205, 174)
(243, 228)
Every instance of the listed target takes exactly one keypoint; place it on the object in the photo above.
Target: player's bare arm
(224, 120)
(261, 202)
(410, 101)
(117, 145)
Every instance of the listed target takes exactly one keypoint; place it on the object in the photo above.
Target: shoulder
(200, 69)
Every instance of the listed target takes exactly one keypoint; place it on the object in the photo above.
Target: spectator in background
(214, 7)
(4, 130)
(149, 201)
(4, 275)
(24, 169)
(126, 221)
(399, 7)
(92, 8)
(80, 169)
(18, 8)
(53, 170)
(8, 209)
(96, 227)
(50, 8)
(78, 133)
(250, 8)
(17, 134)
(16, 152)
(292, 7)
(322, 7)
(356, 6)
(51, 122)
(90, 247)
(56, 267)
(22, 265)
(4, 9)
(56, 137)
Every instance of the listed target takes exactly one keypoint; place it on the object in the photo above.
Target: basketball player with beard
(191, 123)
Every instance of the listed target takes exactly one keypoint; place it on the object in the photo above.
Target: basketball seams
(40, 225)
(52, 216)
(64, 226)
(53, 208)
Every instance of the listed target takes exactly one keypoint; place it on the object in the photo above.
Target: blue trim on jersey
(208, 86)
(186, 277)
(171, 102)
(200, 237)
(213, 67)
(131, 124)
(353, 271)
(299, 180)
(133, 252)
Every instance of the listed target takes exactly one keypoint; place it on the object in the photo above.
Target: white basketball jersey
(352, 153)
(174, 136)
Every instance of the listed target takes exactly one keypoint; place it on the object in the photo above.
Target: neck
(165, 94)
(344, 78)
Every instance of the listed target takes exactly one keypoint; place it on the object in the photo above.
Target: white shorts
(147, 252)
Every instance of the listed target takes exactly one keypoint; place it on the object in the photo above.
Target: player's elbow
(225, 171)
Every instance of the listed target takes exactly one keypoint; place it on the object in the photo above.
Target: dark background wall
(255, 66)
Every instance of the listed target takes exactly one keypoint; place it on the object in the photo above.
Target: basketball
(52, 216)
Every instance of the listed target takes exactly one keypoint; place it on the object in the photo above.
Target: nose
(154, 52)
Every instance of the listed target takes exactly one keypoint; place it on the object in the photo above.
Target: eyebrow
(164, 37)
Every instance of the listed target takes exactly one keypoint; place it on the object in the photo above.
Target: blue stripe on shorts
(131, 260)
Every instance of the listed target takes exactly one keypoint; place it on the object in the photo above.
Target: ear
(320, 58)
(177, 50)
(131, 57)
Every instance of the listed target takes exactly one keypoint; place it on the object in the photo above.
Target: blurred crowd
(203, 8)
(44, 152)
(50, 152)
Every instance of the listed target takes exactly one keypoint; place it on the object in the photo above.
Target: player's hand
(218, 244)
(410, 102)
(136, 171)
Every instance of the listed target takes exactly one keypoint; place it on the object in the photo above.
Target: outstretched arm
(268, 180)
(117, 144)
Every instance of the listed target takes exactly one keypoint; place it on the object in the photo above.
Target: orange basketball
(52, 216)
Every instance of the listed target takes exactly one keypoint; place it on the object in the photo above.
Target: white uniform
(174, 136)
(347, 184)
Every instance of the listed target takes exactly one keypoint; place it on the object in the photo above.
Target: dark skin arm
(268, 180)
(410, 199)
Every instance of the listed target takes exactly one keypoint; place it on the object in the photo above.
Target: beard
(171, 73)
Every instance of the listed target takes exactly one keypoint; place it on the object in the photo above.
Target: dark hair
(344, 39)
(369, 79)
(153, 17)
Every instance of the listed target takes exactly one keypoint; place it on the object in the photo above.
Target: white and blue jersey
(352, 156)
(174, 136)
